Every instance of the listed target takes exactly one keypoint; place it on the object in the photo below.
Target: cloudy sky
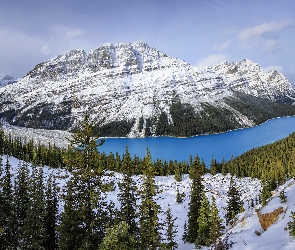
(201, 32)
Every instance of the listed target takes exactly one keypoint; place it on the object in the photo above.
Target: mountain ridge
(128, 89)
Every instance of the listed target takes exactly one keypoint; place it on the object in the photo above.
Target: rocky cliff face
(131, 86)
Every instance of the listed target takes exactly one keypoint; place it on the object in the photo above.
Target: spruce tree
(21, 199)
(215, 223)
(196, 174)
(203, 223)
(128, 195)
(118, 237)
(291, 225)
(7, 218)
(33, 229)
(86, 189)
(234, 202)
(149, 230)
(171, 230)
(51, 214)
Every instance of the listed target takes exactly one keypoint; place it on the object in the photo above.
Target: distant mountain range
(135, 90)
(6, 79)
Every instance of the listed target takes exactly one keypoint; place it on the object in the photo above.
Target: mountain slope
(135, 90)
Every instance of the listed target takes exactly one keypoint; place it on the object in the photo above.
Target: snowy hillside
(247, 232)
(131, 86)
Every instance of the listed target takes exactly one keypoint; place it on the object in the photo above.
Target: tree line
(37, 214)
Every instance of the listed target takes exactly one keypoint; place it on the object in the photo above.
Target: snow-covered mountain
(131, 85)
(6, 79)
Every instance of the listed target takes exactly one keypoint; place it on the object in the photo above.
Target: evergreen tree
(33, 229)
(291, 225)
(127, 196)
(215, 223)
(265, 192)
(149, 231)
(7, 218)
(196, 174)
(233, 203)
(51, 214)
(71, 234)
(184, 235)
(21, 200)
(118, 238)
(178, 197)
(85, 190)
(171, 230)
(203, 223)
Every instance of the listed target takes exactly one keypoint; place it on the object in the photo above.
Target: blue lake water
(220, 146)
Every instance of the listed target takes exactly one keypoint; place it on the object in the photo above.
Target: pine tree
(178, 197)
(71, 234)
(128, 195)
(171, 230)
(203, 223)
(51, 214)
(149, 231)
(196, 174)
(33, 229)
(233, 203)
(215, 223)
(85, 189)
(291, 225)
(21, 200)
(7, 218)
(118, 238)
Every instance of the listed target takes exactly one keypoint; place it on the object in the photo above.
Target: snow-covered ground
(243, 234)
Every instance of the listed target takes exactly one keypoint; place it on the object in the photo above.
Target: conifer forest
(37, 213)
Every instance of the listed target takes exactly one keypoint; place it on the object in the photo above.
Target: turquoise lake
(225, 145)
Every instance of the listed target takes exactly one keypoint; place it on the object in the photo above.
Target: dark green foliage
(203, 223)
(149, 127)
(33, 229)
(51, 214)
(234, 202)
(178, 197)
(266, 192)
(128, 196)
(140, 124)
(196, 174)
(273, 163)
(170, 230)
(118, 238)
(21, 199)
(116, 128)
(85, 191)
(283, 197)
(163, 127)
(6, 207)
(259, 109)
(45, 116)
(149, 226)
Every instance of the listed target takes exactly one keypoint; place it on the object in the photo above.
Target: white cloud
(223, 46)
(265, 29)
(211, 60)
(75, 33)
(265, 36)
(45, 49)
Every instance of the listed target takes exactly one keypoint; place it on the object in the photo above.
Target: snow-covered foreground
(245, 234)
